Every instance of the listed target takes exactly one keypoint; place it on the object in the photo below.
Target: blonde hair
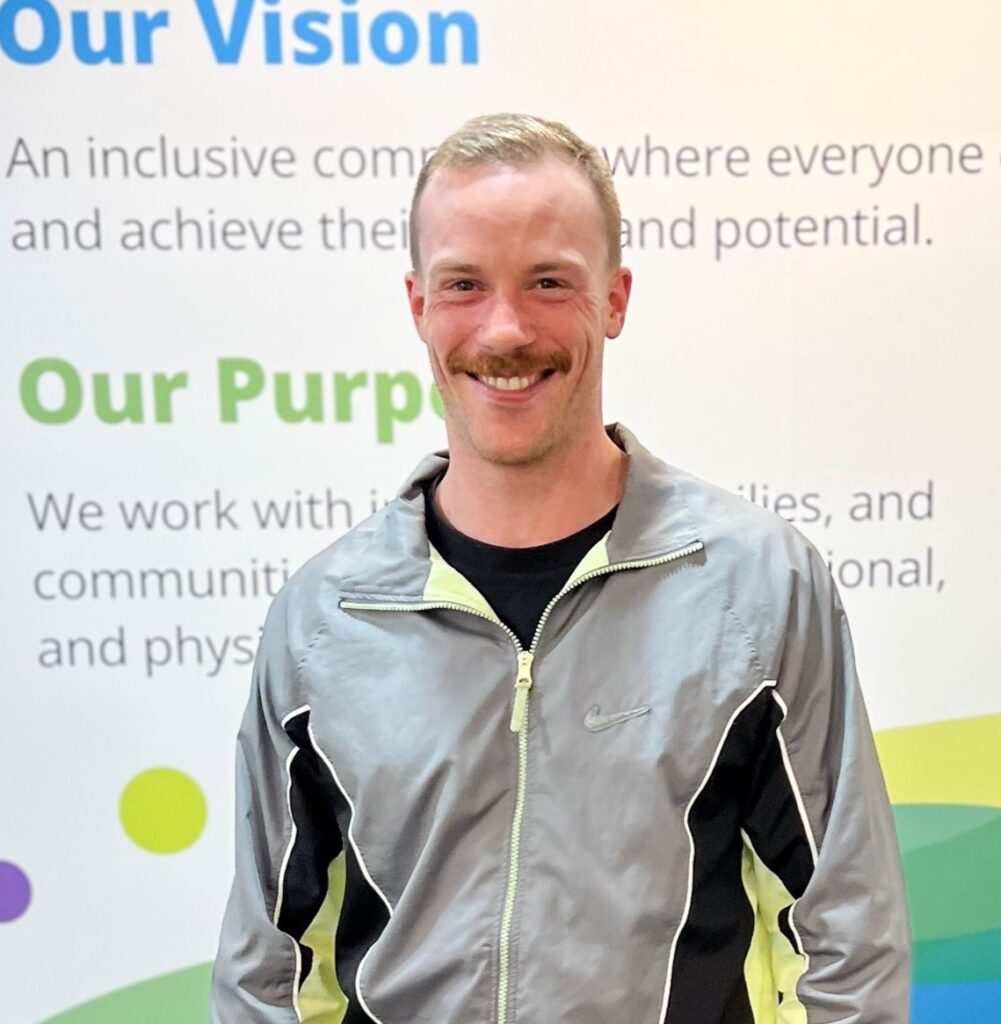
(521, 139)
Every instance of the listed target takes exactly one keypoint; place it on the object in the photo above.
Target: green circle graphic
(163, 810)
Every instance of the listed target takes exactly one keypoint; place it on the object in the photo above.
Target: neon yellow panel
(321, 1000)
(449, 585)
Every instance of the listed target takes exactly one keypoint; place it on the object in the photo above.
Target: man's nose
(504, 324)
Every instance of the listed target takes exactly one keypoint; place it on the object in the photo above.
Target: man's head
(516, 283)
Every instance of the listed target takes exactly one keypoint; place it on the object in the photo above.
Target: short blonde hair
(521, 139)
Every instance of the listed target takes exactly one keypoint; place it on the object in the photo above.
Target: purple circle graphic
(15, 891)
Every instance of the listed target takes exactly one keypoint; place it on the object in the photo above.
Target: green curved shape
(951, 886)
(921, 825)
(181, 997)
(963, 958)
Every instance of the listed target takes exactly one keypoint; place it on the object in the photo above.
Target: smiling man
(562, 734)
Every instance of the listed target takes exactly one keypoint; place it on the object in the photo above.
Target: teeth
(511, 383)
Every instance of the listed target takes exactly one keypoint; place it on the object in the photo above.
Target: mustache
(512, 364)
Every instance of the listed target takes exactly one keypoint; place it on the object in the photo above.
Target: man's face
(514, 300)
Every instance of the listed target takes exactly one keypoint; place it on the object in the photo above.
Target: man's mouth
(512, 383)
(510, 373)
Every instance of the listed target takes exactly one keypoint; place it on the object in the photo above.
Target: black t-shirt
(518, 583)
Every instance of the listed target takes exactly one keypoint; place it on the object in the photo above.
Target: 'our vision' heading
(37, 31)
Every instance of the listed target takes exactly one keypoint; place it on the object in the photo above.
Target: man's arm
(821, 850)
(275, 959)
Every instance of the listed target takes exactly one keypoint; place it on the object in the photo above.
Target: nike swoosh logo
(595, 721)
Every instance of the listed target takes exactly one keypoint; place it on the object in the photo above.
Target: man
(562, 734)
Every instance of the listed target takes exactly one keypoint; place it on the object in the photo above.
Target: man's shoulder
(737, 526)
(761, 562)
(353, 556)
(312, 592)
(681, 507)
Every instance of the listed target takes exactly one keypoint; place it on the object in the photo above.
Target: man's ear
(619, 288)
(416, 299)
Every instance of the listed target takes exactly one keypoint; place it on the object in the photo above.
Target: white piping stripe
(281, 882)
(351, 827)
(295, 987)
(799, 941)
(794, 785)
(361, 863)
(358, 991)
(288, 853)
(292, 714)
(291, 839)
(288, 802)
(691, 841)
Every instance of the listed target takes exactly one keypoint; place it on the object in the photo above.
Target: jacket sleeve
(275, 958)
(820, 844)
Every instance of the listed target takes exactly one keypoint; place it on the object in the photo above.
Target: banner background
(829, 374)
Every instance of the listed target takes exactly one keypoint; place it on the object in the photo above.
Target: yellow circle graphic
(163, 810)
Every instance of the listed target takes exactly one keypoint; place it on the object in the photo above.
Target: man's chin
(514, 451)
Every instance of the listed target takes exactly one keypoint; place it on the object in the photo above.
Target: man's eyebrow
(547, 266)
(454, 268)
(542, 267)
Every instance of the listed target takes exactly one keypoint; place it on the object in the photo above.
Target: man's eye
(461, 286)
(548, 283)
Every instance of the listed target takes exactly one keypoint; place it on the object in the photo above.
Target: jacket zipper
(519, 725)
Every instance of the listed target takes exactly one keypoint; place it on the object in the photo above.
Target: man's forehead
(549, 182)
(526, 202)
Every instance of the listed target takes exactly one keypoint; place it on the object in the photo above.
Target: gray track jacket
(668, 809)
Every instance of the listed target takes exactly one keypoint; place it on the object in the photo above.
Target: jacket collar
(394, 557)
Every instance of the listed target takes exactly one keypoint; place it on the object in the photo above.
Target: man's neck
(524, 506)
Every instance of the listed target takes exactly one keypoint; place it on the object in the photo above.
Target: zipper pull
(521, 687)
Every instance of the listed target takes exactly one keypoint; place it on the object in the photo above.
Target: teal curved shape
(975, 957)
(181, 997)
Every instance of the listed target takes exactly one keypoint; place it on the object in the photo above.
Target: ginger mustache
(514, 364)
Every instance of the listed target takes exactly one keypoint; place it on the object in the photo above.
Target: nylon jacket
(669, 809)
